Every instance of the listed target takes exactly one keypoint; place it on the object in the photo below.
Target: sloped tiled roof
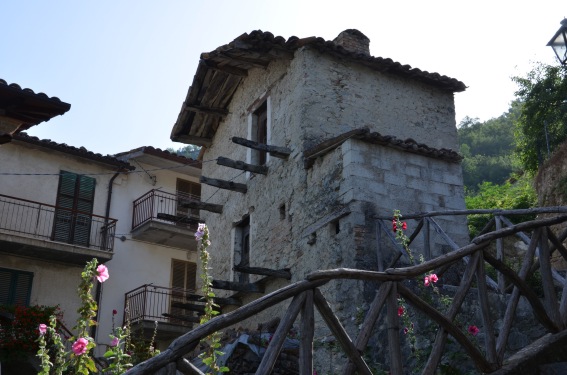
(220, 72)
(363, 134)
(75, 151)
(25, 105)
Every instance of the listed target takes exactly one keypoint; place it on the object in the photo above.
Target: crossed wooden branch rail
(306, 296)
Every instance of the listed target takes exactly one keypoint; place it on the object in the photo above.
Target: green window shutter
(76, 193)
(84, 203)
(15, 287)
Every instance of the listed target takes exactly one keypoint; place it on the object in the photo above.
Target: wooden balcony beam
(237, 164)
(211, 207)
(238, 287)
(282, 274)
(223, 184)
(275, 151)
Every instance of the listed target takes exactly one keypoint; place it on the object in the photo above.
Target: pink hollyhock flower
(473, 330)
(114, 312)
(430, 279)
(401, 310)
(404, 225)
(80, 346)
(114, 342)
(42, 329)
(102, 273)
(394, 226)
(406, 330)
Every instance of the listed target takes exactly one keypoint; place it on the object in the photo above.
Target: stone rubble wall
(313, 98)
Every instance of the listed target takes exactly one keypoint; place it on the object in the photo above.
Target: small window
(15, 287)
(259, 131)
(242, 249)
(282, 211)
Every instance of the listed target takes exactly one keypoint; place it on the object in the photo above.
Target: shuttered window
(15, 287)
(190, 190)
(183, 274)
(75, 199)
(183, 280)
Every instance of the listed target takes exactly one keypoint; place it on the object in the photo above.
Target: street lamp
(559, 42)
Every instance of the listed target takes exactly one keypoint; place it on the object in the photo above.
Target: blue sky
(125, 65)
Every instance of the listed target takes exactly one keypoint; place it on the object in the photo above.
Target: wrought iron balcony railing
(157, 205)
(161, 304)
(52, 223)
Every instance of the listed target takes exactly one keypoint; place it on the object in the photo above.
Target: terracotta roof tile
(28, 107)
(227, 66)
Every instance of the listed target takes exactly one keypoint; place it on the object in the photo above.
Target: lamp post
(559, 42)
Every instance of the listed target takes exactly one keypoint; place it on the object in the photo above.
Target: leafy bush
(18, 336)
(514, 194)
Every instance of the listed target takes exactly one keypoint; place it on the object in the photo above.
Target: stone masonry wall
(340, 96)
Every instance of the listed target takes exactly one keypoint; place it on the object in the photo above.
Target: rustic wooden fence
(488, 356)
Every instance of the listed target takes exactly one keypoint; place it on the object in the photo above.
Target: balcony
(169, 307)
(48, 232)
(159, 218)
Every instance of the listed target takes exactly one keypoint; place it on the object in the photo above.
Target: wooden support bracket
(238, 287)
(221, 112)
(223, 184)
(237, 164)
(275, 151)
(216, 208)
(225, 68)
(283, 273)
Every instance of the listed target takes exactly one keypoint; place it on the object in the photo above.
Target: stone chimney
(354, 41)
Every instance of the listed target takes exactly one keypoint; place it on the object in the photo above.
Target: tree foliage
(189, 151)
(542, 124)
(516, 193)
(488, 149)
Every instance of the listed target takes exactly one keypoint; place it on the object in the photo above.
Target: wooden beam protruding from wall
(237, 164)
(221, 112)
(283, 273)
(211, 207)
(223, 184)
(225, 68)
(275, 151)
(239, 287)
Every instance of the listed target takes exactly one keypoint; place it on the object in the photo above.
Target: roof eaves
(75, 151)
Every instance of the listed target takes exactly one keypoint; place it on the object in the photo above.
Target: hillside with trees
(488, 149)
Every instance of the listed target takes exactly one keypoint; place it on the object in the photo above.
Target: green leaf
(91, 365)
(109, 354)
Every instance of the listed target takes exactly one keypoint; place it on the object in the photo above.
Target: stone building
(316, 139)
